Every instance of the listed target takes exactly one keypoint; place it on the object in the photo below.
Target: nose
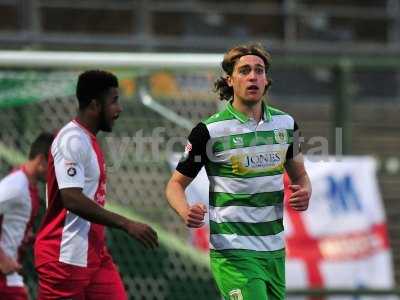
(119, 108)
(253, 75)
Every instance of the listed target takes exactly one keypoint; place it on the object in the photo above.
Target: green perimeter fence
(35, 97)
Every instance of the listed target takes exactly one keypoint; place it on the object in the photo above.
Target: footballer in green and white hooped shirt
(245, 150)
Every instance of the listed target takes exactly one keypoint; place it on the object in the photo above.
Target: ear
(229, 81)
(41, 158)
(94, 105)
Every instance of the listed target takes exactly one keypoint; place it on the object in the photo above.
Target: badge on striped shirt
(235, 295)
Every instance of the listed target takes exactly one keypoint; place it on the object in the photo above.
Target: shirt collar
(82, 126)
(244, 118)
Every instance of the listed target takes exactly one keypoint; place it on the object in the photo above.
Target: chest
(249, 149)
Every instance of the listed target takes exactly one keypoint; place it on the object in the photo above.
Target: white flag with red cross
(341, 241)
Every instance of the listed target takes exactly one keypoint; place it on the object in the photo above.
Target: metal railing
(292, 19)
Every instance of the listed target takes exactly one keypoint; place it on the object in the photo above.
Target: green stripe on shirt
(247, 229)
(255, 200)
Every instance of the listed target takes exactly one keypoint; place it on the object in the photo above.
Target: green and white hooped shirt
(244, 161)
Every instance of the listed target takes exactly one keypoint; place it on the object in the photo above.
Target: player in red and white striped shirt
(70, 251)
(19, 205)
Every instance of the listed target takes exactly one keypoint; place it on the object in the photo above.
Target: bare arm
(8, 198)
(7, 264)
(193, 216)
(301, 185)
(75, 201)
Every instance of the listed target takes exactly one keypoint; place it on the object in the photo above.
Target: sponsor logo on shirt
(100, 196)
(71, 171)
(257, 162)
(235, 295)
(238, 141)
(262, 160)
(70, 163)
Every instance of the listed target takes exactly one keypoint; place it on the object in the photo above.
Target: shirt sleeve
(195, 155)
(70, 151)
(295, 145)
(8, 196)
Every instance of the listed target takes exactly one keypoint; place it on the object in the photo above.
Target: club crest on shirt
(71, 171)
(281, 136)
(235, 295)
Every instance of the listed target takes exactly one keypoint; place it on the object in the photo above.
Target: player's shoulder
(199, 133)
(14, 185)
(71, 135)
(71, 128)
(273, 111)
(281, 117)
(223, 115)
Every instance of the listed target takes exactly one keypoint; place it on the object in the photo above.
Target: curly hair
(92, 84)
(230, 58)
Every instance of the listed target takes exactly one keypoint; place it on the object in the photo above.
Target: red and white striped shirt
(75, 161)
(19, 205)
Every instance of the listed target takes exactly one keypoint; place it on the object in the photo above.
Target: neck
(88, 122)
(252, 110)
(30, 171)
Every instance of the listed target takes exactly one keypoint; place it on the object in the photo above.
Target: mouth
(252, 88)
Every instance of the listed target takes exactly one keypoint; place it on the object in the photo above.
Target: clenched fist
(299, 198)
(194, 216)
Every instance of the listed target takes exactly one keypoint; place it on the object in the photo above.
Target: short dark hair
(228, 64)
(41, 145)
(92, 84)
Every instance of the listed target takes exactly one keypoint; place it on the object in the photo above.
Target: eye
(244, 70)
(260, 70)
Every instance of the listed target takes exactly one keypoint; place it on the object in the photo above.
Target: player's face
(42, 167)
(248, 79)
(110, 110)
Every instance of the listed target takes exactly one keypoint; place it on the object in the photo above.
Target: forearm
(8, 264)
(303, 180)
(3, 256)
(92, 212)
(175, 194)
(297, 172)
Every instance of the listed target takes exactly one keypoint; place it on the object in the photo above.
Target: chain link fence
(142, 140)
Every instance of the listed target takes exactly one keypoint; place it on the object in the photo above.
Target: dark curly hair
(230, 58)
(92, 84)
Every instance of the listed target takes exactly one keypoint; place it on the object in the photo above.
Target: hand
(28, 240)
(194, 217)
(8, 265)
(300, 197)
(143, 233)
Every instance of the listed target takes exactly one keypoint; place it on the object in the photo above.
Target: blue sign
(342, 195)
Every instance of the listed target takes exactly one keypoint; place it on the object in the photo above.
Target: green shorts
(250, 278)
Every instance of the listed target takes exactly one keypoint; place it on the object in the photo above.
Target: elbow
(68, 200)
(169, 189)
(173, 188)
